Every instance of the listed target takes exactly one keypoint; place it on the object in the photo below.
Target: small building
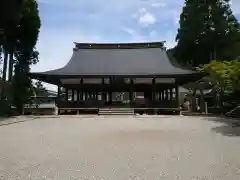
(112, 75)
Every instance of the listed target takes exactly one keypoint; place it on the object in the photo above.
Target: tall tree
(10, 15)
(208, 30)
(25, 53)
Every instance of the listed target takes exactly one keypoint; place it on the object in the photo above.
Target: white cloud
(142, 10)
(157, 5)
(147, 19)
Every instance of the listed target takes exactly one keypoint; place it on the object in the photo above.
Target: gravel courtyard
(120, 148)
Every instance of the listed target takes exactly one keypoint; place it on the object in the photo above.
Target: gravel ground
(120, 148)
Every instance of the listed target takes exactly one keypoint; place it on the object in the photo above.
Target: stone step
(115, 114)
(116, 111)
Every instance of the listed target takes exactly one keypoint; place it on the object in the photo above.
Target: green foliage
(224, 78)
(39, 91)
(10, 17)
(22, 88)
(207, 31)
(25, 53)
(223, 75)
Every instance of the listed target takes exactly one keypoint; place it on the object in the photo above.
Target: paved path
(120, 148)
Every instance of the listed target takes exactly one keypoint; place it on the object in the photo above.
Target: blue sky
(68, 21)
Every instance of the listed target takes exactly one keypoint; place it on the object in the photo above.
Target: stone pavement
(120, 148)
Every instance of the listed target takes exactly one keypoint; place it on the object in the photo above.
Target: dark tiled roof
(119, 59)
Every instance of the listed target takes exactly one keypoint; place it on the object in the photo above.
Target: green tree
(39, 89)
(208, 30)
(25, 53)
(223, 76)
(10, 15)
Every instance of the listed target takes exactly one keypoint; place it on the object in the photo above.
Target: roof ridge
(135, 45)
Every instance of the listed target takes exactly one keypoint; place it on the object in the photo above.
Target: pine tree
(208, 30)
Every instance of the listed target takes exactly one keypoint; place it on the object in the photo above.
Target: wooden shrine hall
(139, 76)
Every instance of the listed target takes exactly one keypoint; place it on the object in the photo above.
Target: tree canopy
(223, 75)
(19, 27)
(208, 30)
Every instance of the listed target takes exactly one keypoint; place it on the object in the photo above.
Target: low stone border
(14, 120)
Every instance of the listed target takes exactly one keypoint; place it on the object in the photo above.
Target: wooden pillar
(110, 92)
(66, 94)
(131, 91)
(81, 95)
(167, 94)
(81, 90)
(103, 94)
(160, 95)
(171, 94)
(58, 93)
(163, 95)
(153, 90)
(202, 103)
(73, 92)
(177, 97)
(110, 96)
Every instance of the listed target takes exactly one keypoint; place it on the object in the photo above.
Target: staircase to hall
(116, 111)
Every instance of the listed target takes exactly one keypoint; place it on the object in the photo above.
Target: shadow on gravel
(228, 127)
(228, 130)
